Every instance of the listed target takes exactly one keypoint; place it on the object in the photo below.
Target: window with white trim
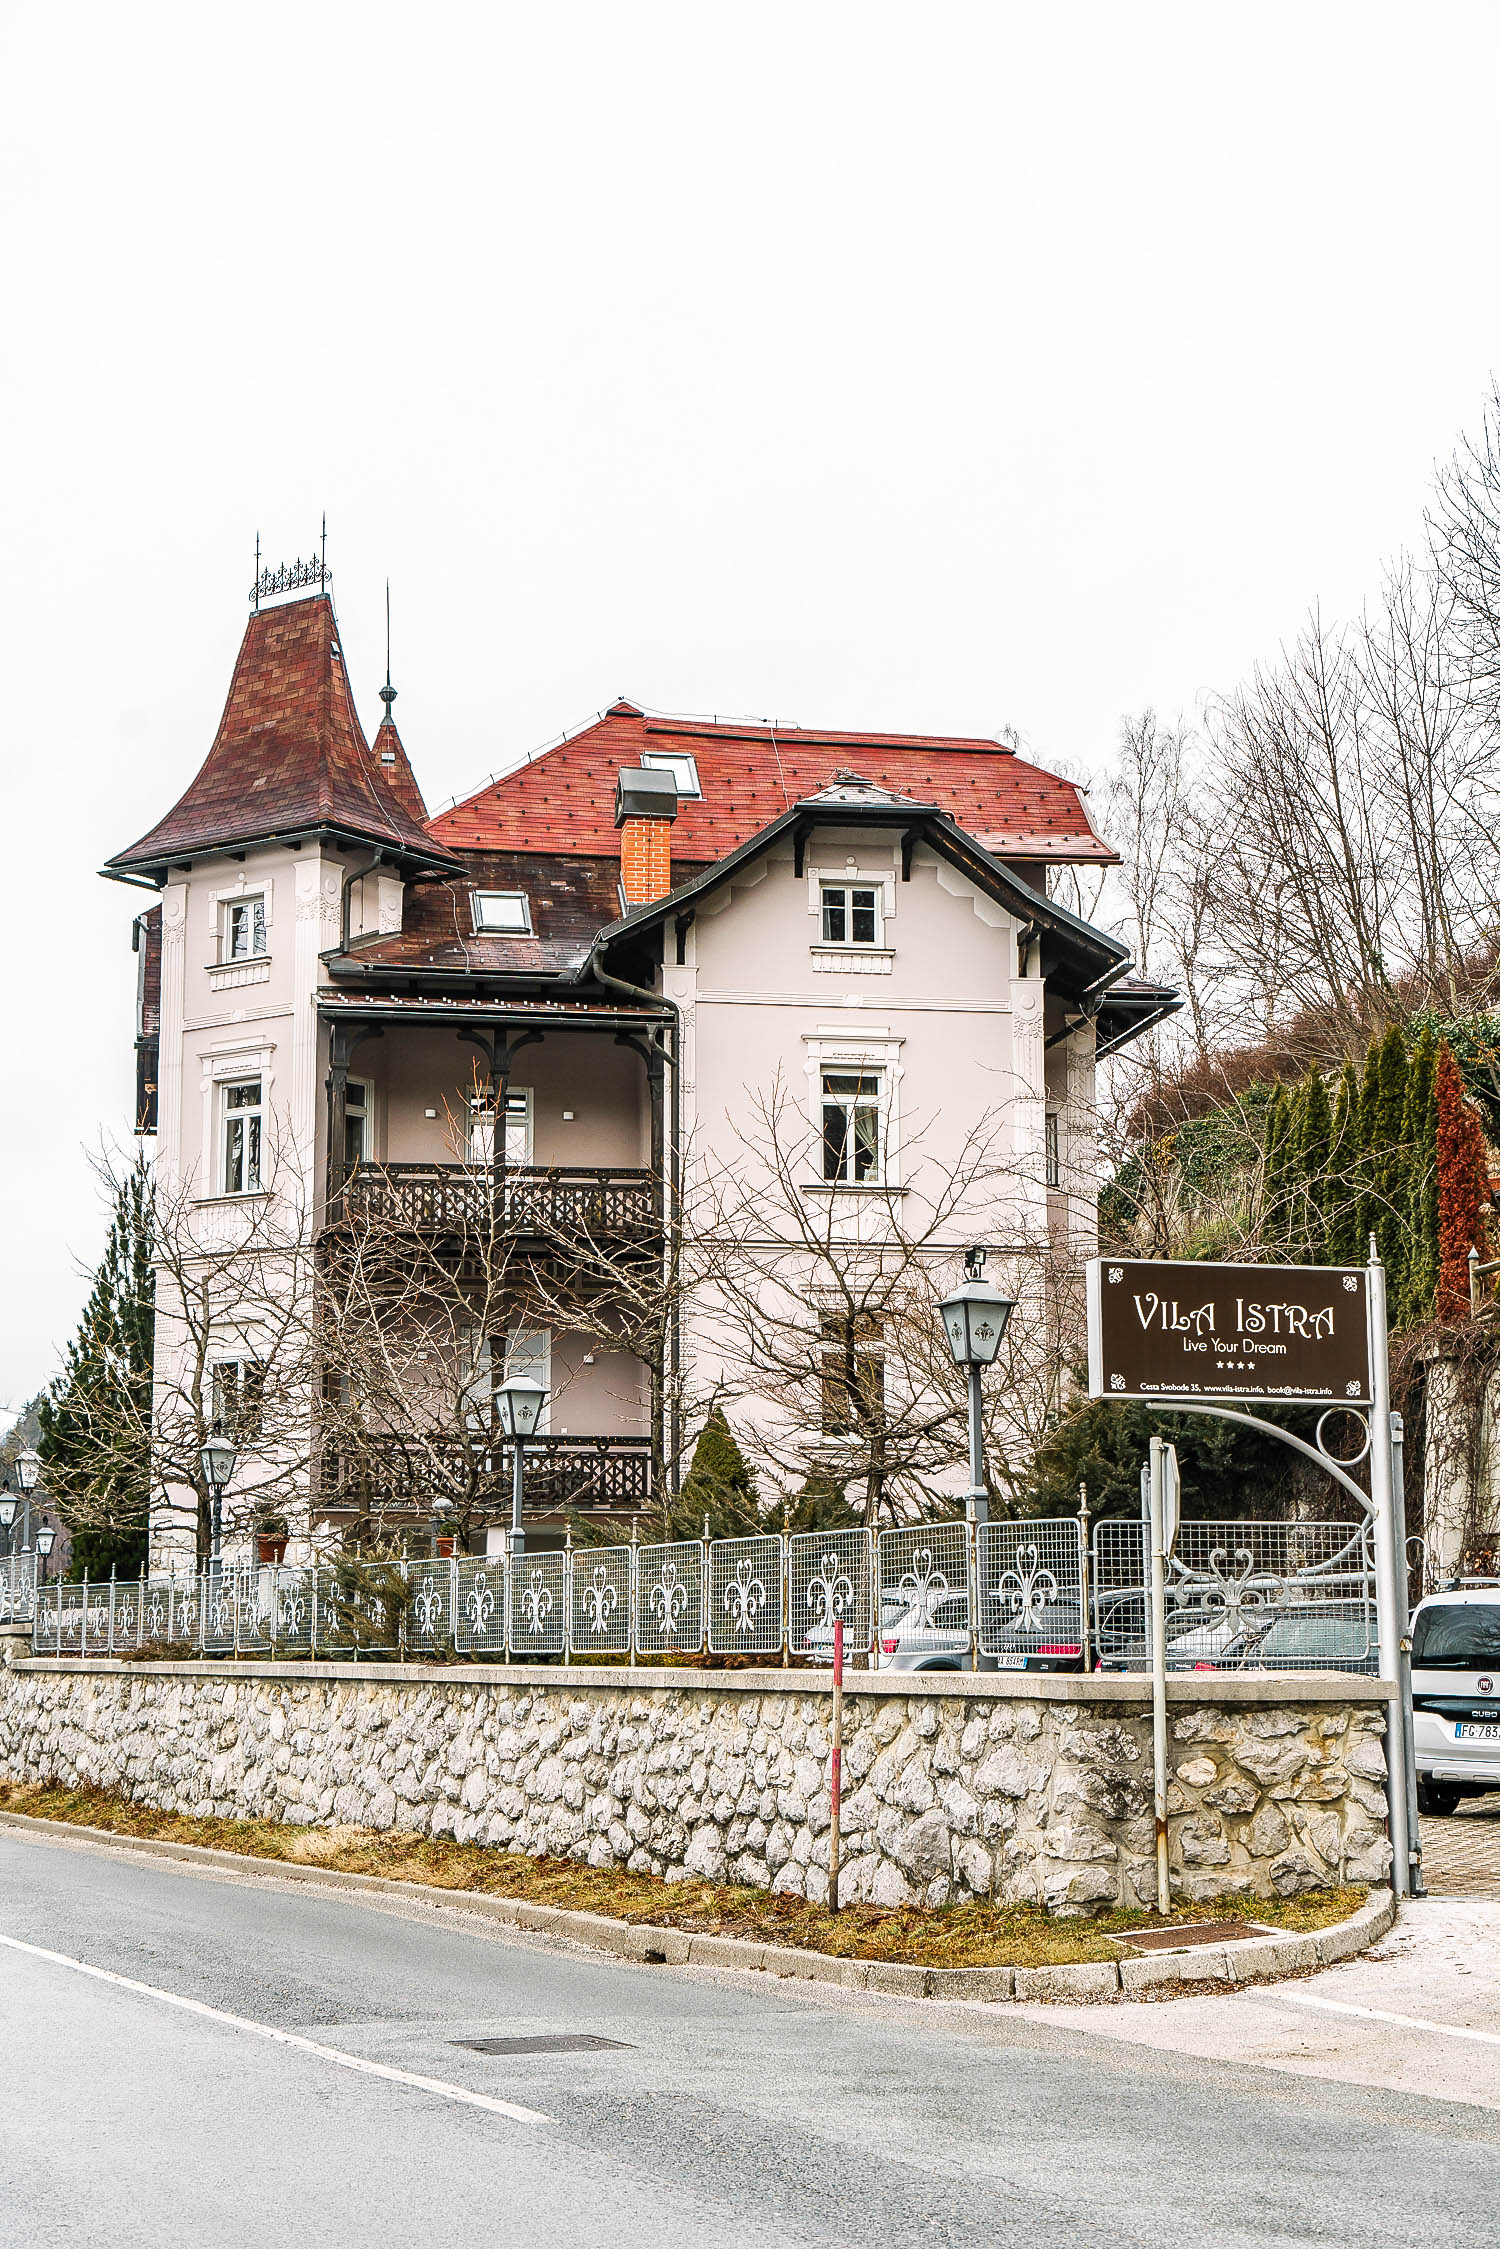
(851, 1348)
(242, 929)
(359, 1103)
(239, 1389)
(851, 913)
(242, 1119)
(502, 913)
(853, 1127)
(1054, 1150)
(517, 1148)
(522, 1351)
(680, 764)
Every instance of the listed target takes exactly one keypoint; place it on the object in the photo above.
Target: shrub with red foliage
(1463, 1188)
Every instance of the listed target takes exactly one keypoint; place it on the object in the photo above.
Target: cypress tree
(1274, 1146)
(1342, 1201)
(720, 1484)
(1419, 1136)
(1314, 1148)
(95, 1441)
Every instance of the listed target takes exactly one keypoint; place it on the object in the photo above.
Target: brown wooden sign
(1164, 1328)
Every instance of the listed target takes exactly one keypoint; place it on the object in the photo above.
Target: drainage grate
(557, 2042)
(1198, 1932)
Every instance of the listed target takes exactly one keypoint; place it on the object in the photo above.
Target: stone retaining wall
(955, 1785)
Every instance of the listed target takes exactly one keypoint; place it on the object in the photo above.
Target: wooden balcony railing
(406, 1474)
(603, 1203)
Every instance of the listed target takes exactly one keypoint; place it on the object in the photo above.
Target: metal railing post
(111, 1608)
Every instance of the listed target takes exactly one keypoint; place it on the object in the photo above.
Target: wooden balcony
(532, 1201)
(405, 1475)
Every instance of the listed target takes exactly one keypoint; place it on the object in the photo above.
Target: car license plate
(1011, 1662)
(1465, 1730)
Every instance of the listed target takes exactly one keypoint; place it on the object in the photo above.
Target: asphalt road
(732, 2109)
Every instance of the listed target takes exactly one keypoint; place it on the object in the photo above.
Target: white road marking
(1384, 2015)
(333, 2054)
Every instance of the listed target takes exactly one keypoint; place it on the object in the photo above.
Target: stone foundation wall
(955, 1786)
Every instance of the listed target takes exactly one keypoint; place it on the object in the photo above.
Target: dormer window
(502, 913)
(851, 913)
(682, 767)
(242, 929)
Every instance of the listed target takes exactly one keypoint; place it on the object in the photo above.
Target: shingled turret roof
(290, 757)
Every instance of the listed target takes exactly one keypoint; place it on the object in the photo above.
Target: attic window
(682, 766)
(502, 912)
(387, 757)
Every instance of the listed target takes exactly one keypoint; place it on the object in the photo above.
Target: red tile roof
(564, 800)
(289, 755)
(394, 767)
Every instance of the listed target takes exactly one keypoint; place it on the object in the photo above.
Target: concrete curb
(1257, 1959)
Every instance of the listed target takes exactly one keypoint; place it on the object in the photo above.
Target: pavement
(1461, 1853)
(220, 2061)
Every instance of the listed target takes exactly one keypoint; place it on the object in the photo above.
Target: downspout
(659, 1001)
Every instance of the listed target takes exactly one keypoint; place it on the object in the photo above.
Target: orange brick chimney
(645, 807)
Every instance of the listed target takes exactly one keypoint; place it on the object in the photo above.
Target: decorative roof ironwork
(292, 577)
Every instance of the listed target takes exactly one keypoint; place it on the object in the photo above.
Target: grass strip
(978, 1935)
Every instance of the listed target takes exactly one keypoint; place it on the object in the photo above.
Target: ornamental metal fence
(1243, 1596)
(921, 1596)
(18, 1588)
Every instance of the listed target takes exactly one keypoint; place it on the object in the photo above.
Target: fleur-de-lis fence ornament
(923, 1585)
(98, 1623)
(1227, 1586)
(124, 1619)
(479, 1605)
(536, 1602)
(600, 1600)
(668, 1599)
(293, 1609)
(831, 1593)
(156, 1616)
(428, 1606)
(221, 1611)
(744, 1597)
(1025, 1589)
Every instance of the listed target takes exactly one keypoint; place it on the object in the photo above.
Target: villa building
(555, 1015)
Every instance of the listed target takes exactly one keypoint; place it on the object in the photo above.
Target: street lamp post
(442, 1508)
(519, 1403)
(8, 1506)
(218, 1458)
(28, 1468)
(975, 1318)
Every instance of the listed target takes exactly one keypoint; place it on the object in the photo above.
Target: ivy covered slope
(1394, 1144)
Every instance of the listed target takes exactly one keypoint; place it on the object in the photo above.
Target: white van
(1455, 1693)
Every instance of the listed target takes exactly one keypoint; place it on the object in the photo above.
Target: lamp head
(218, 1457)
(28, 1468)
(975, 1318)
(45, 1536)
(519, 1402)
(8, 1504)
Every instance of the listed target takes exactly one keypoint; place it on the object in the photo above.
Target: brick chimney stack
(645, 807)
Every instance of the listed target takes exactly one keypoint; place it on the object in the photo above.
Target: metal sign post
(1162, 1477)
(1390, 1596)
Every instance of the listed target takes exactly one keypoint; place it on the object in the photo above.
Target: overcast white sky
(934, 368)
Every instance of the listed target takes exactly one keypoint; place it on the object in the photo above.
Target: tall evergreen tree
(1343, 1196)
(719, 1484)
(1417, 1300)
(95, 1441)
(1314, 1149)
(1385, 1169)
(1275, 1147)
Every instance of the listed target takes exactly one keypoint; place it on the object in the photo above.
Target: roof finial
(257, 570)
(323, 555)
(388, 693)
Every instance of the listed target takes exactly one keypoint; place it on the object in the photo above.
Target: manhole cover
(1197, 1932)
(558, 2042)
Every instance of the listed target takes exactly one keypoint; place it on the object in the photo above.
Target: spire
(391, 760)
(290, 756)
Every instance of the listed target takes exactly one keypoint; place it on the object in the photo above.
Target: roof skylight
(502, 913)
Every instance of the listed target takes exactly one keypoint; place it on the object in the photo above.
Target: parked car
(1307, 1636)
(1455, 1693)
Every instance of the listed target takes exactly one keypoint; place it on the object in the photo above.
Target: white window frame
(844, 887)
(1052, 1149)
(257, 923)
(513, 898)
(852, 1104)
(526, 1350)
(877, 1052)
(520, 1119)
(249, 1114)
(678, 763)
(363, 1115)
(237, 1423)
